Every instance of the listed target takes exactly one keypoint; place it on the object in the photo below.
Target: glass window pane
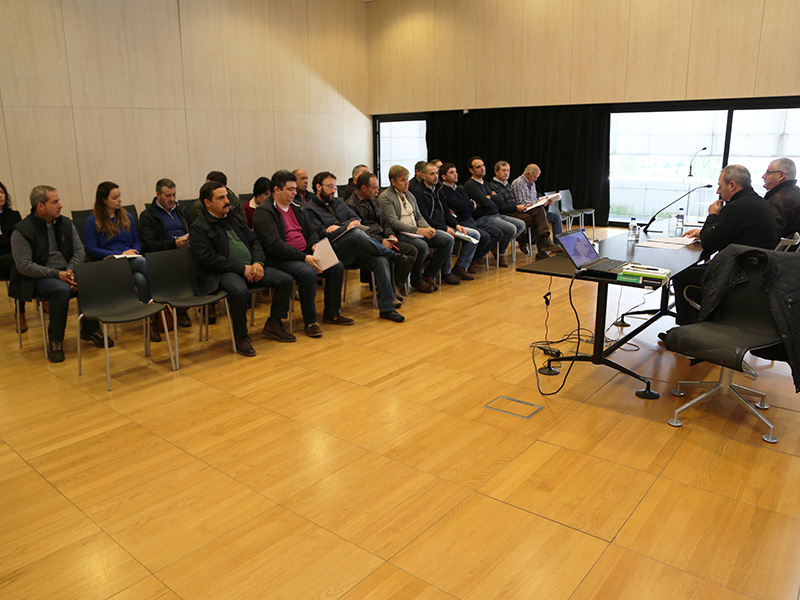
(758, 136)
(401, 143)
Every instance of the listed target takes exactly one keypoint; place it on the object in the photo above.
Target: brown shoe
(423, 286)
(337, 320)
(23, 325)
(275, 329)
(451, 279)
(503, 262)
(313, 330)
(244, 347)
(154, 335)
(523, 247)
(430, 281)
(544, 244)
(473, 267)
(462, 274)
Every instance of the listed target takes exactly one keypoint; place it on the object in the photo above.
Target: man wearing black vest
(46, 248)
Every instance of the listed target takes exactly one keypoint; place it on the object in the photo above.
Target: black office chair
(79, 218)
(106, 292)
(741, 323)
(186, 205)
(39, 302)
(171, 275)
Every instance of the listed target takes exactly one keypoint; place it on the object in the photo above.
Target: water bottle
(679, 222)
(632, 230)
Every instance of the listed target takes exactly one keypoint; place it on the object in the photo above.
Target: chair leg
(594, 230)
(344, 287)
(166, 334)
(375, 290)
(176, 364)
(78, 331)
(530, 242)
(513, 250)
(291, 307)
(252, 310)
(230, 325)
(17, 306)
(146, 329)
(108, 363)
(44, 329)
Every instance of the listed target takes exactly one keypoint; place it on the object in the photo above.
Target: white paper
(325, 255)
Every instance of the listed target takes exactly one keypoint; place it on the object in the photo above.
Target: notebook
(583, 255)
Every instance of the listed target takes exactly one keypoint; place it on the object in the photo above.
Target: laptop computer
(583, 255)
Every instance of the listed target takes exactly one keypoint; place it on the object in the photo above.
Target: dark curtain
(569, 143)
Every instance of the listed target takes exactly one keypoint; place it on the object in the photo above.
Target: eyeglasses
(768, 172)
(330, 186)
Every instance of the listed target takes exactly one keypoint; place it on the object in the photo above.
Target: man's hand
(352, 224)
(313, 262)
(258, 269)
(451, 232)
(715, 207)
(332, 228)
(392, 238)
(249, 273)
(182, 242)
(387, 243)
(692, 233)
(474, 206)
(521, 207)
(427, 232)
(68, 277)
(460, 229)
(130, 251)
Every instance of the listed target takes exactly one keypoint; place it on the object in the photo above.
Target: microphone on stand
(653, 218)
(695, 156)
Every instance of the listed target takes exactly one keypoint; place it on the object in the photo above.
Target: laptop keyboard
(607, 264)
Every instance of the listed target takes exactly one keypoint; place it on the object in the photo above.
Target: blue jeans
(238, 289)
(554, 219)
(306, 277)
(58, 294)
(139, 269)
(490, 236)
(467, 251)
(510, 226)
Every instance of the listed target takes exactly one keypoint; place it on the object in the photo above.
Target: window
(400, 143)
(759, 136)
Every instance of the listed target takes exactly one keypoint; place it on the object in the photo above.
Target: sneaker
(96, 337)
(183, 318)
(392, 315)
(313, 330)
(275, 329)
(55, 352)
(244, 347)
(337, 320)
(450, 279)
(462, 274)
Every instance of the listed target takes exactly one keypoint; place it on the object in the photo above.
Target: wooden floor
(366, 465)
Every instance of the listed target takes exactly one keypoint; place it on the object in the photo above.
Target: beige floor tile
(28, 502)
(456, 449)
(734, 544)
(624, 575)
(633, 441)
(577, 490)
(338, 362)
(374, 502)
(583, 380)
(486, 549)
(757, 475)
(479, 358)
(172, 515)
(38, 397)
(10, 460)
(71, 558)
(276, 555)
(147, 589)
(389, 582)
(409, 340)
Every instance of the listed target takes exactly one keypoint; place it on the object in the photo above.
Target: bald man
(524, 190)
(303, 195)
(783, 195)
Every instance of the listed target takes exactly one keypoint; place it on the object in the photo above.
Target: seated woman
(8, 218)
(110, 231)
(261, 190)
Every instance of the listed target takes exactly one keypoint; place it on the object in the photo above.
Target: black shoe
(662, 335)
(451, 279)
(212, 314)
(313, 330)
(96, 338)
(546, 245)
(541, 255)
(55, 352)
(392, 315)
(154, 335)
(462, 274)
(397, 303)
(402, 260)
(183, 318)
(275, 329)
(430, 281)
(244, 347)
(337, 320)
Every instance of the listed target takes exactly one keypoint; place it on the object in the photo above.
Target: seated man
(401, 213)
(783, 195)
(289, 241)
(163, 226)
(492, 208)
(351, 186)
(523, 191)
(739, 216)
(457, 201)
(438, 214)
(235, 202)
(363, 203)
(303, 194)
(229, 256)
(336, 221)
(46, 247)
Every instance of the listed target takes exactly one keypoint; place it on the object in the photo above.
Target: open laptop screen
(578, 247)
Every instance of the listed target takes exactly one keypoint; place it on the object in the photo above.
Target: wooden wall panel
(288, 38)
(211, 142)
(154, 53)
(455, 60)
(600, 40)
(162, 150)
(546, 66)
(254, 147)
(724, 48)
(33, 68)
(326, 24)
(355, 59)
(5, 163)
(251, 55)
(499, 53)
(41, 145)
(97, 53)
(658, 50)
(357, 142)
(327, 146)
(293, 140)
(778, 71)
(206, 62)
(106, 148)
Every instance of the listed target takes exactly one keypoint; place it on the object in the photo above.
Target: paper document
(121, 256)
(465, 237)
(412, 235)
(681, 241)
(325, 255)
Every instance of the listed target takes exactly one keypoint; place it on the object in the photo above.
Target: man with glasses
(523, 189)
(336, 221)
(783, 195)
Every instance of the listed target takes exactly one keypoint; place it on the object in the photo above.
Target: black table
(618, 247)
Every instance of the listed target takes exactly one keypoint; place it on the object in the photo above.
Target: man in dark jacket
(289, 242)
(783, 195)
(739, 216)
(46, 248)
(163, 226)
(336, 221)
(230, 257)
